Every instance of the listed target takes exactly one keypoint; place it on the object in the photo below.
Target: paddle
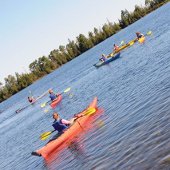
(65, 91)
(89, 111)
(45, 135)
(149, 33)
(30, 92)
(122, 43)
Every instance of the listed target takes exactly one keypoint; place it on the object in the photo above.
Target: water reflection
(78, 151)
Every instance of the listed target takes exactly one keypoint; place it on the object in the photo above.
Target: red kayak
(56, 101)
(70, 133)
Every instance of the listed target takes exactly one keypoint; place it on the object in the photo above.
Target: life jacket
(103, 58)
(52, 96)
(59, 126)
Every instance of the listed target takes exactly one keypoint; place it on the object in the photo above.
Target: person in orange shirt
(115, 47)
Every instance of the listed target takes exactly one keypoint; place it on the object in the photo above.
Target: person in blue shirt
(52, 95)
(103, 58)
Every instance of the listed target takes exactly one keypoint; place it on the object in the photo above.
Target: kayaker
(139, 35)
(60, 125)
(52, 95)
(31, 99)
(115, 47)
(103, 58)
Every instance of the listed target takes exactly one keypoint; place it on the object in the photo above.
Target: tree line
(57, 57)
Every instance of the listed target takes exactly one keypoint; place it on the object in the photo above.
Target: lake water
(133, 131)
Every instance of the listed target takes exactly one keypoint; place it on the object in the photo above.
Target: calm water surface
(133, 131)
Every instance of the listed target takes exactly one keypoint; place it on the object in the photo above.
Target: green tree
(34, 67)
(92, 37)
(84, 43)
(11, 84)
(64, 53)
(107, 29)
(124, 22)
(58, 57)
(72, 49)
(1, 85)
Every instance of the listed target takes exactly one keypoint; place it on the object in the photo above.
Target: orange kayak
(55, 102)
(69, 134)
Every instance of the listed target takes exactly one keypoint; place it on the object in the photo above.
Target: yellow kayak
(120, 49)
(141, 40)
(130, 43)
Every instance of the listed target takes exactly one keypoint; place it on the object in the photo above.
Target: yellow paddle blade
(70, 95)
(46, 110)
(43, 105)
(90, 111)
(122, 42)
(66, 90)
(149, 33)
(45, 135)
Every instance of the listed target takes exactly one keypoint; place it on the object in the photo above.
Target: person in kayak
(103, 58)
(139, 35)
(52, 95)
(60, 125)
(115, 47)
(31, 99)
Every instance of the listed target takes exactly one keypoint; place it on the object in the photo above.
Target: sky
(31, 29)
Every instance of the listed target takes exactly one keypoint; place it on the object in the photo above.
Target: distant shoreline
(46, 64)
